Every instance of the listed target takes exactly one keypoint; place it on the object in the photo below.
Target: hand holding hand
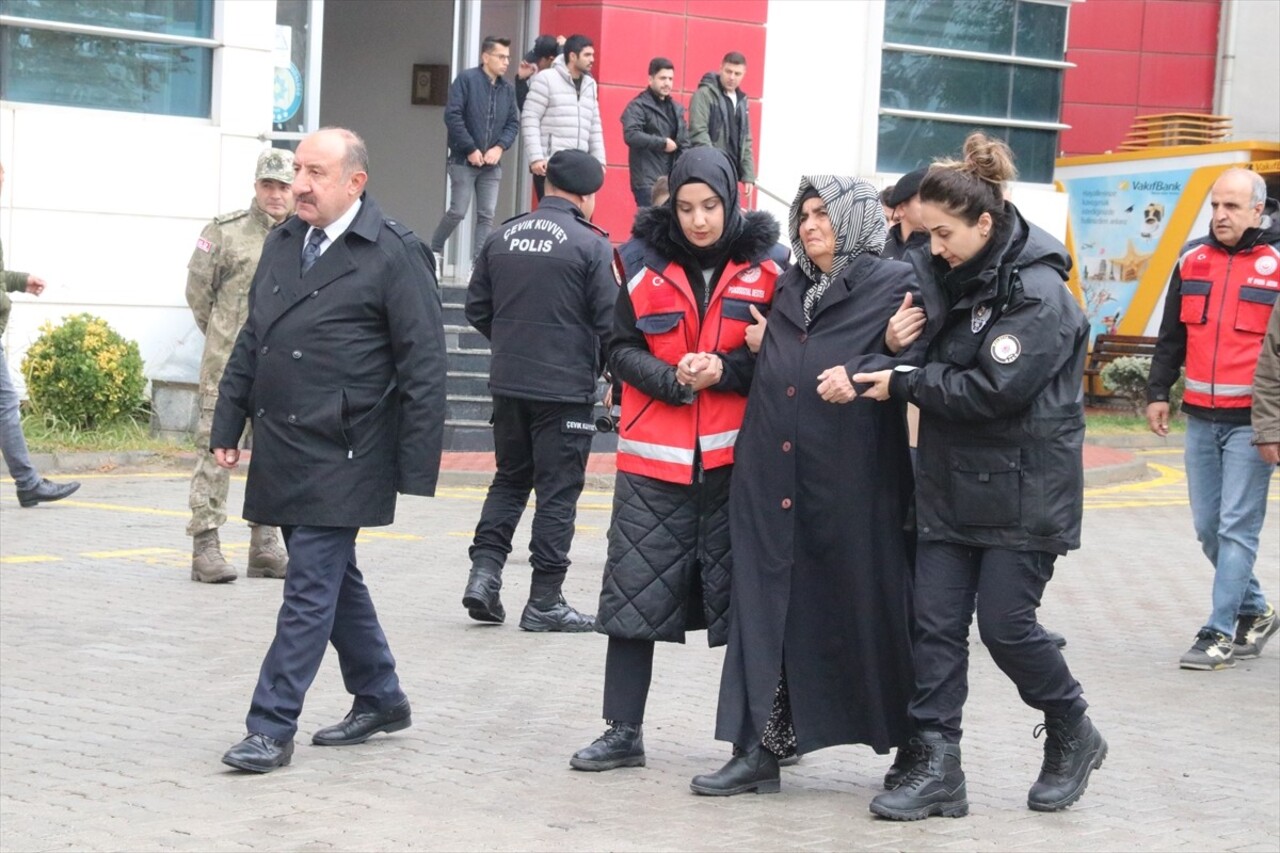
(475, 158)
(755, 332)
(699, 370)
(879, 382)
(493, 155)
(905, 326)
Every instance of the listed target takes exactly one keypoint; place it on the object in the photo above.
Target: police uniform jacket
(343, 371)
(1001, 396)
(542, 292)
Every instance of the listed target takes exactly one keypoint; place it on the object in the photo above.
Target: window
(146, 56)
(950, 68)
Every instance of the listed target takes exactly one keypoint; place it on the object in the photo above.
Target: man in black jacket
(482, 121)
(542, 292)
(654, 130)
(341, 365)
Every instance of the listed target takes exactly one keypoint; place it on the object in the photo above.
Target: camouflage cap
(275, 164)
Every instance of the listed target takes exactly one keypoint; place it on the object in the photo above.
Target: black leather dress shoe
(258, 753)
(358, 728)
(46, 491)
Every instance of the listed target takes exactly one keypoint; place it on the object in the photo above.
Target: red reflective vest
(656, 439)
(1226, 302)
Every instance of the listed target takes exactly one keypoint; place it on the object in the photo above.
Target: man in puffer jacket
(562, 111)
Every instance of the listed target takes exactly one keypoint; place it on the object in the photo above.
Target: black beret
(575, 172)
(907, 186)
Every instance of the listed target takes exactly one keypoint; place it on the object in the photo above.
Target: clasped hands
(699, 370)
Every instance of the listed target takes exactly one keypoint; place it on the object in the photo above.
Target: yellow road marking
(129, 552)
(32, 558)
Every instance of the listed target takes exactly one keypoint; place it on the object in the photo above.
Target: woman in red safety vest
(679, 347)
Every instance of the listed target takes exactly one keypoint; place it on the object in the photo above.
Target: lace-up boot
(933, 786)
(1072, 750)
(267, 559)
(621, 746)
(903, 761)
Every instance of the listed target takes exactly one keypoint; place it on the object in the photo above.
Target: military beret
(907, 186)
(275, 164)
(575, 172)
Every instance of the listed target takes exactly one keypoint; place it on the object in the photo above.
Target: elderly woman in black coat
(819, 649)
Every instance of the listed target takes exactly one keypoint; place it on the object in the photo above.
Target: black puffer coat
(669, 563)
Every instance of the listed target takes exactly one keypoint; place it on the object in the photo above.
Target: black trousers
(540, 447)
(1005, 587)
(325, 601)
(628, 671)
(539, 186)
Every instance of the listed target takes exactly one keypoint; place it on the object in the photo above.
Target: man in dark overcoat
(341, 366)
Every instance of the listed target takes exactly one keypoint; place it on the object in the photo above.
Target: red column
(693, 34)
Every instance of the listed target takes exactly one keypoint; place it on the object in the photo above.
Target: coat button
(791, 390)
(293, 419)
(261, 412)
(314, 294)
(786, 503)
(786, 447)
(297, 353)
(264, 349)
(804, 336)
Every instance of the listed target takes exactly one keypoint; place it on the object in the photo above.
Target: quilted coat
(669, 564)
(558, 116)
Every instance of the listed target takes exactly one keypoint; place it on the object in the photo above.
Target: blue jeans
(465, 181)
(12, 443)
(1227, 482)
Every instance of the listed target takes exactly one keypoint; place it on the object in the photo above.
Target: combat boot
(933, 786)
(267, 559)
(621, 746)
(1072, 750)
(481, 595)
(903, 761)
(207, 563)
(548, 611)
(754, 769)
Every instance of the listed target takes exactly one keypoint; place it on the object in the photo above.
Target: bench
(1106, 349)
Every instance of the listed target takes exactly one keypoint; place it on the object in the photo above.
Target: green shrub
(83, 372)
(1127, 377)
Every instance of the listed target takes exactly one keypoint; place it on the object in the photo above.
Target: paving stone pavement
(122, 682)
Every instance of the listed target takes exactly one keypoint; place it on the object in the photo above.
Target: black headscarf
(707, 166)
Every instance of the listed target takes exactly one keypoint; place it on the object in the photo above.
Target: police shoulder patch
(1006, 349)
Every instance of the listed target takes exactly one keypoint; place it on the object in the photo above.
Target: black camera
(608, 422)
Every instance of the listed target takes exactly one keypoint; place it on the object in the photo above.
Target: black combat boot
(903, 761)
(481, 596)
(621, 746)
(933, 786)
(548, 611)
(754, 769)
(1072, 750)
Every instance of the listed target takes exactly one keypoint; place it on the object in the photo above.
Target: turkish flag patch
(204, 245)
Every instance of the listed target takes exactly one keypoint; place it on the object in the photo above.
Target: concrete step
(464, 337)
(467, 407)
(468, 360)
(455, 314)
(467, 383)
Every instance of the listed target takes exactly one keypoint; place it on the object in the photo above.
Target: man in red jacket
(1215, 315)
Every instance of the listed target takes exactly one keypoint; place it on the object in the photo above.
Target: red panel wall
(693, 34)
(1135, 57)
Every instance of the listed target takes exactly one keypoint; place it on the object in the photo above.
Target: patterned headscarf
(853, 205)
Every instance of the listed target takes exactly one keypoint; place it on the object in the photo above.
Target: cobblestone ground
(122, 682)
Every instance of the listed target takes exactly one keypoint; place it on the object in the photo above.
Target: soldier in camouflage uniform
(218, 278)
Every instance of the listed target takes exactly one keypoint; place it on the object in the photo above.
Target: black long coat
(822, 580)
(343, 372)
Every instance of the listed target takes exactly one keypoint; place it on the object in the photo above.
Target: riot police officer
(542, 292)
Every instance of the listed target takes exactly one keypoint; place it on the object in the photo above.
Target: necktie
(311, 251)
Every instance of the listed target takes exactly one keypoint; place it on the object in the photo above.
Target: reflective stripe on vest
(718, 441)
(656, 452)
(1219, 390)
